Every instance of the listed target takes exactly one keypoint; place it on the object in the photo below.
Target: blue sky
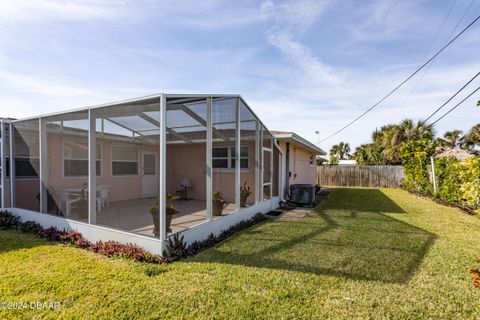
(303, 66)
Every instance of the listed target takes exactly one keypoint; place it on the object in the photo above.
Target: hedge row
(458, 183)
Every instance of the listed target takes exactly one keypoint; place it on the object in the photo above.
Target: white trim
(257, 166)
(209, 167)
(162, 172)
(12, 165)
(300, 140)
(92, 168)
(238, 158)
(43, 165)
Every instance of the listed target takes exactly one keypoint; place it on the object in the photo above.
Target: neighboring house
(457, 153)
(347, 162)
(299, 159)
(106, 170)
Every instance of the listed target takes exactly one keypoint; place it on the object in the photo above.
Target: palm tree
(343, 150)
(471, 139)
(393, 136)
(452, 138)
(371, 153)
(340, 151)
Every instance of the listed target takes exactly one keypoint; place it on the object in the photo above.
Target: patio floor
(134, 215)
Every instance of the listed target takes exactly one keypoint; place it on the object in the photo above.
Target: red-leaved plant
(476, 276)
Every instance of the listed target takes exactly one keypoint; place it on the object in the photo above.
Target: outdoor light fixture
(186, 183)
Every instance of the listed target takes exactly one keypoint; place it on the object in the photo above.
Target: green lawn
(365, 253)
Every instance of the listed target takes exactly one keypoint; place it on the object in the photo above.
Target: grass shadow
(11, 240)
(350, 236)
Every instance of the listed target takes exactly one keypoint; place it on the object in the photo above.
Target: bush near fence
(458, 183)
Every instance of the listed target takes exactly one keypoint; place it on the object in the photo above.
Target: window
(224, 157)
(124, 160)
(26, 167)
(312, 157)
(75, 159)
(27, 161)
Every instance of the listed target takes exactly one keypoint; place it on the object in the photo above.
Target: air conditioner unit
(302, 193)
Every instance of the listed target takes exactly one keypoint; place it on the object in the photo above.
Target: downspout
(275, 142)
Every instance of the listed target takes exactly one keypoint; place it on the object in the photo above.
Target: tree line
(393, 142)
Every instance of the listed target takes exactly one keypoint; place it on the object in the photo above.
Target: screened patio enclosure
(152, 166)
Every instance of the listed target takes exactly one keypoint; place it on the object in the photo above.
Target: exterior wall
(27, 186)
(302, 172)
(190, 161)
(122, 187)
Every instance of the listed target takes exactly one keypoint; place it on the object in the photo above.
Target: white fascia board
(299, 140)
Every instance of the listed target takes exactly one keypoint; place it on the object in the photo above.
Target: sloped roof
(288, 135)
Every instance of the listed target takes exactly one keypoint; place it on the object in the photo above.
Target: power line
(456, 106)
(403, 82)
(461, 19)
(429, 48)
(450, 99)
(448, 39)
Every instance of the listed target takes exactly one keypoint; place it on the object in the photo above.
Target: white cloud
(24, 10)
(311, 65)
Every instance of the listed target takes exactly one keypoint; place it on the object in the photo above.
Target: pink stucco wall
(302, 172)
(182, 161)
(190, 161)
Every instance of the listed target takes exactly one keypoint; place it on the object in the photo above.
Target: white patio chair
(70, 198)
(103, 196)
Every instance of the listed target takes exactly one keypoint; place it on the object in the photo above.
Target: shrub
(52, 234)
(8, 221)
(447, 172)
(470, 176)
(415, 156)
(175, 248)
(76, 239)
(30, 227)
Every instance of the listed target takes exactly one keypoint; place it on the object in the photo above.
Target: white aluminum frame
(237, 154)
(3, 163)
(92, 167)
(209, 169)
(12, 165)
(93, 111)
(162, 172)
(43, 164)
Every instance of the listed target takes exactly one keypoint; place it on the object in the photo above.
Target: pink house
(299, 159)
(144, 169)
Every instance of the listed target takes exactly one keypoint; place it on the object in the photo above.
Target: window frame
(231, 157)
(123, 161)
(85, 176)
